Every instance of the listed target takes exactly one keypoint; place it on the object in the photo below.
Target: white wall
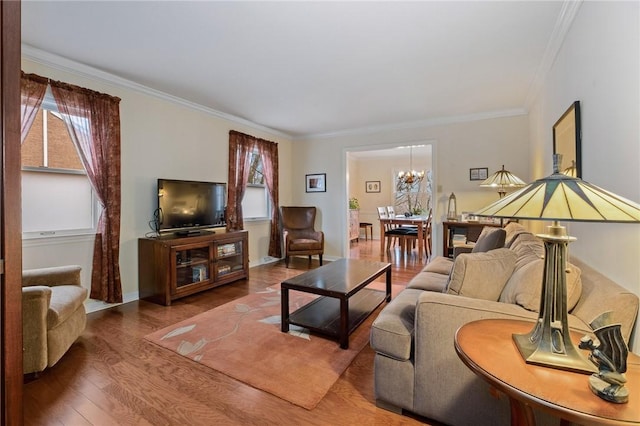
(457, 147)
(160, 138)
(598, 65)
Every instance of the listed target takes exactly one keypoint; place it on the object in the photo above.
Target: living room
(597, 62)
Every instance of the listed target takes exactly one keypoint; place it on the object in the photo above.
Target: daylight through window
(57, 197)
(256, 202)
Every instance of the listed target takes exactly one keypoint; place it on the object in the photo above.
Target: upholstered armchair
(53, 314)
(298, 233)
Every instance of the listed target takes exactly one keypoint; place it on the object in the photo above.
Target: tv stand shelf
(171, 267)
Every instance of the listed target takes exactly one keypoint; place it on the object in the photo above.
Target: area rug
(242, 339)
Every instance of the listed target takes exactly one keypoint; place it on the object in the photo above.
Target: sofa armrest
(439, 315)
(57, 275)
(461, 395)
(601, 294)
(465, 248)
(35, 304)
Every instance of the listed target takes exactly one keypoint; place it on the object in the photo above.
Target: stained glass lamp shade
(558, 198)
(502, 179)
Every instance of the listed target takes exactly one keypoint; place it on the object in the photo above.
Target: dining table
(419, 221)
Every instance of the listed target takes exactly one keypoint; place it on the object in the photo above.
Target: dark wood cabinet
(171, 267)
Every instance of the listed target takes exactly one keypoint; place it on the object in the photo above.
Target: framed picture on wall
(480, 173)
(316, 182)
(372, 186)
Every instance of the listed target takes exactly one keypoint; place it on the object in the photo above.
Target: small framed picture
(480, 173)
(316, 182)
(372, 186)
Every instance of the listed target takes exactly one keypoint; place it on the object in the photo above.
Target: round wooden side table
(487, 348)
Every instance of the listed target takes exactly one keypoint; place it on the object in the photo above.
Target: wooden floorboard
(112, 376)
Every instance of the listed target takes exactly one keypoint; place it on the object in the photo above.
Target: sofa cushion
(513, 231)
(490, 238)
(392, 330)
(524, 288)
(527, 250)
(301, 244)
(429, 281)
(481, 275)
(65, 300)
(439, 265)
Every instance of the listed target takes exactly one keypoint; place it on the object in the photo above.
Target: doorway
(371, 178)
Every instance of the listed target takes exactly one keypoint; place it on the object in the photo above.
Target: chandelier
(411, 177)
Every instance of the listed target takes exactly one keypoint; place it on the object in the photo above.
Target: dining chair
(411, 236)
(391, 211)
(391, 232)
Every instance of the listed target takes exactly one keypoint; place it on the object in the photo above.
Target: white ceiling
(314, 68)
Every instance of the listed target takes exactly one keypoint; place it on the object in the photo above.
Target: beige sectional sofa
(416, 366)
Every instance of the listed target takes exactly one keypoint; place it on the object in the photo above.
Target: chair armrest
(57, 275)
(35, 304)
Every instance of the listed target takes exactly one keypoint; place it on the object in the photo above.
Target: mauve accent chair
(53, 314)
(298, 233)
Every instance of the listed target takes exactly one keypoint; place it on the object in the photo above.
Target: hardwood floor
(112, 376)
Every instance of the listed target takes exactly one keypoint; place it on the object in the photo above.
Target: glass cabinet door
(229, 258)
(192, 265)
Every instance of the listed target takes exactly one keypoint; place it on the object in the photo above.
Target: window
(57, 197)
(256, 204)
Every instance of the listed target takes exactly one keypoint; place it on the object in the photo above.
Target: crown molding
(416, 124)
(67, 65)
(565, 19)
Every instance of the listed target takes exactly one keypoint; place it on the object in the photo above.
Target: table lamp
(502, 179)
(558, 197)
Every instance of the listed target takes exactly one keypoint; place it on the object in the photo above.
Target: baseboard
(96, 305)
(92, 305)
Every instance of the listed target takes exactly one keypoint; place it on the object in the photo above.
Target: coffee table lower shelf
(322, 315)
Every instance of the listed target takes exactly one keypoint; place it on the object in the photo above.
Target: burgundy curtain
(32, 90)
(269, 153)
(93, 121)
(240, 148)
(240, 145)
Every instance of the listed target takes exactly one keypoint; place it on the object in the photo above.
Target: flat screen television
(186, 207)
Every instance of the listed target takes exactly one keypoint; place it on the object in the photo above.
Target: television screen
(186, 206)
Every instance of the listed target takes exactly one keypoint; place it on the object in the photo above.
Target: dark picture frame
(567, 141)
(478, 173)
(316, 182)
(372, 186)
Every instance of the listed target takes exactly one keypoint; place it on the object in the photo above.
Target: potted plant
(354, 204)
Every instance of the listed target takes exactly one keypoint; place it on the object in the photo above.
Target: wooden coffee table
(344, 301)
(487, 348)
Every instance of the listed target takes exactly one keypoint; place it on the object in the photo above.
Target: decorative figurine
(452, 211)
(609, 352)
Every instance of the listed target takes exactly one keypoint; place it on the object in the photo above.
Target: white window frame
(95, 208)
(248, 197)
(251, 196)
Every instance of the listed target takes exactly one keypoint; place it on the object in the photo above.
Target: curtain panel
(32, 90)
(93, 121)
(269, 153)
(240, 146)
